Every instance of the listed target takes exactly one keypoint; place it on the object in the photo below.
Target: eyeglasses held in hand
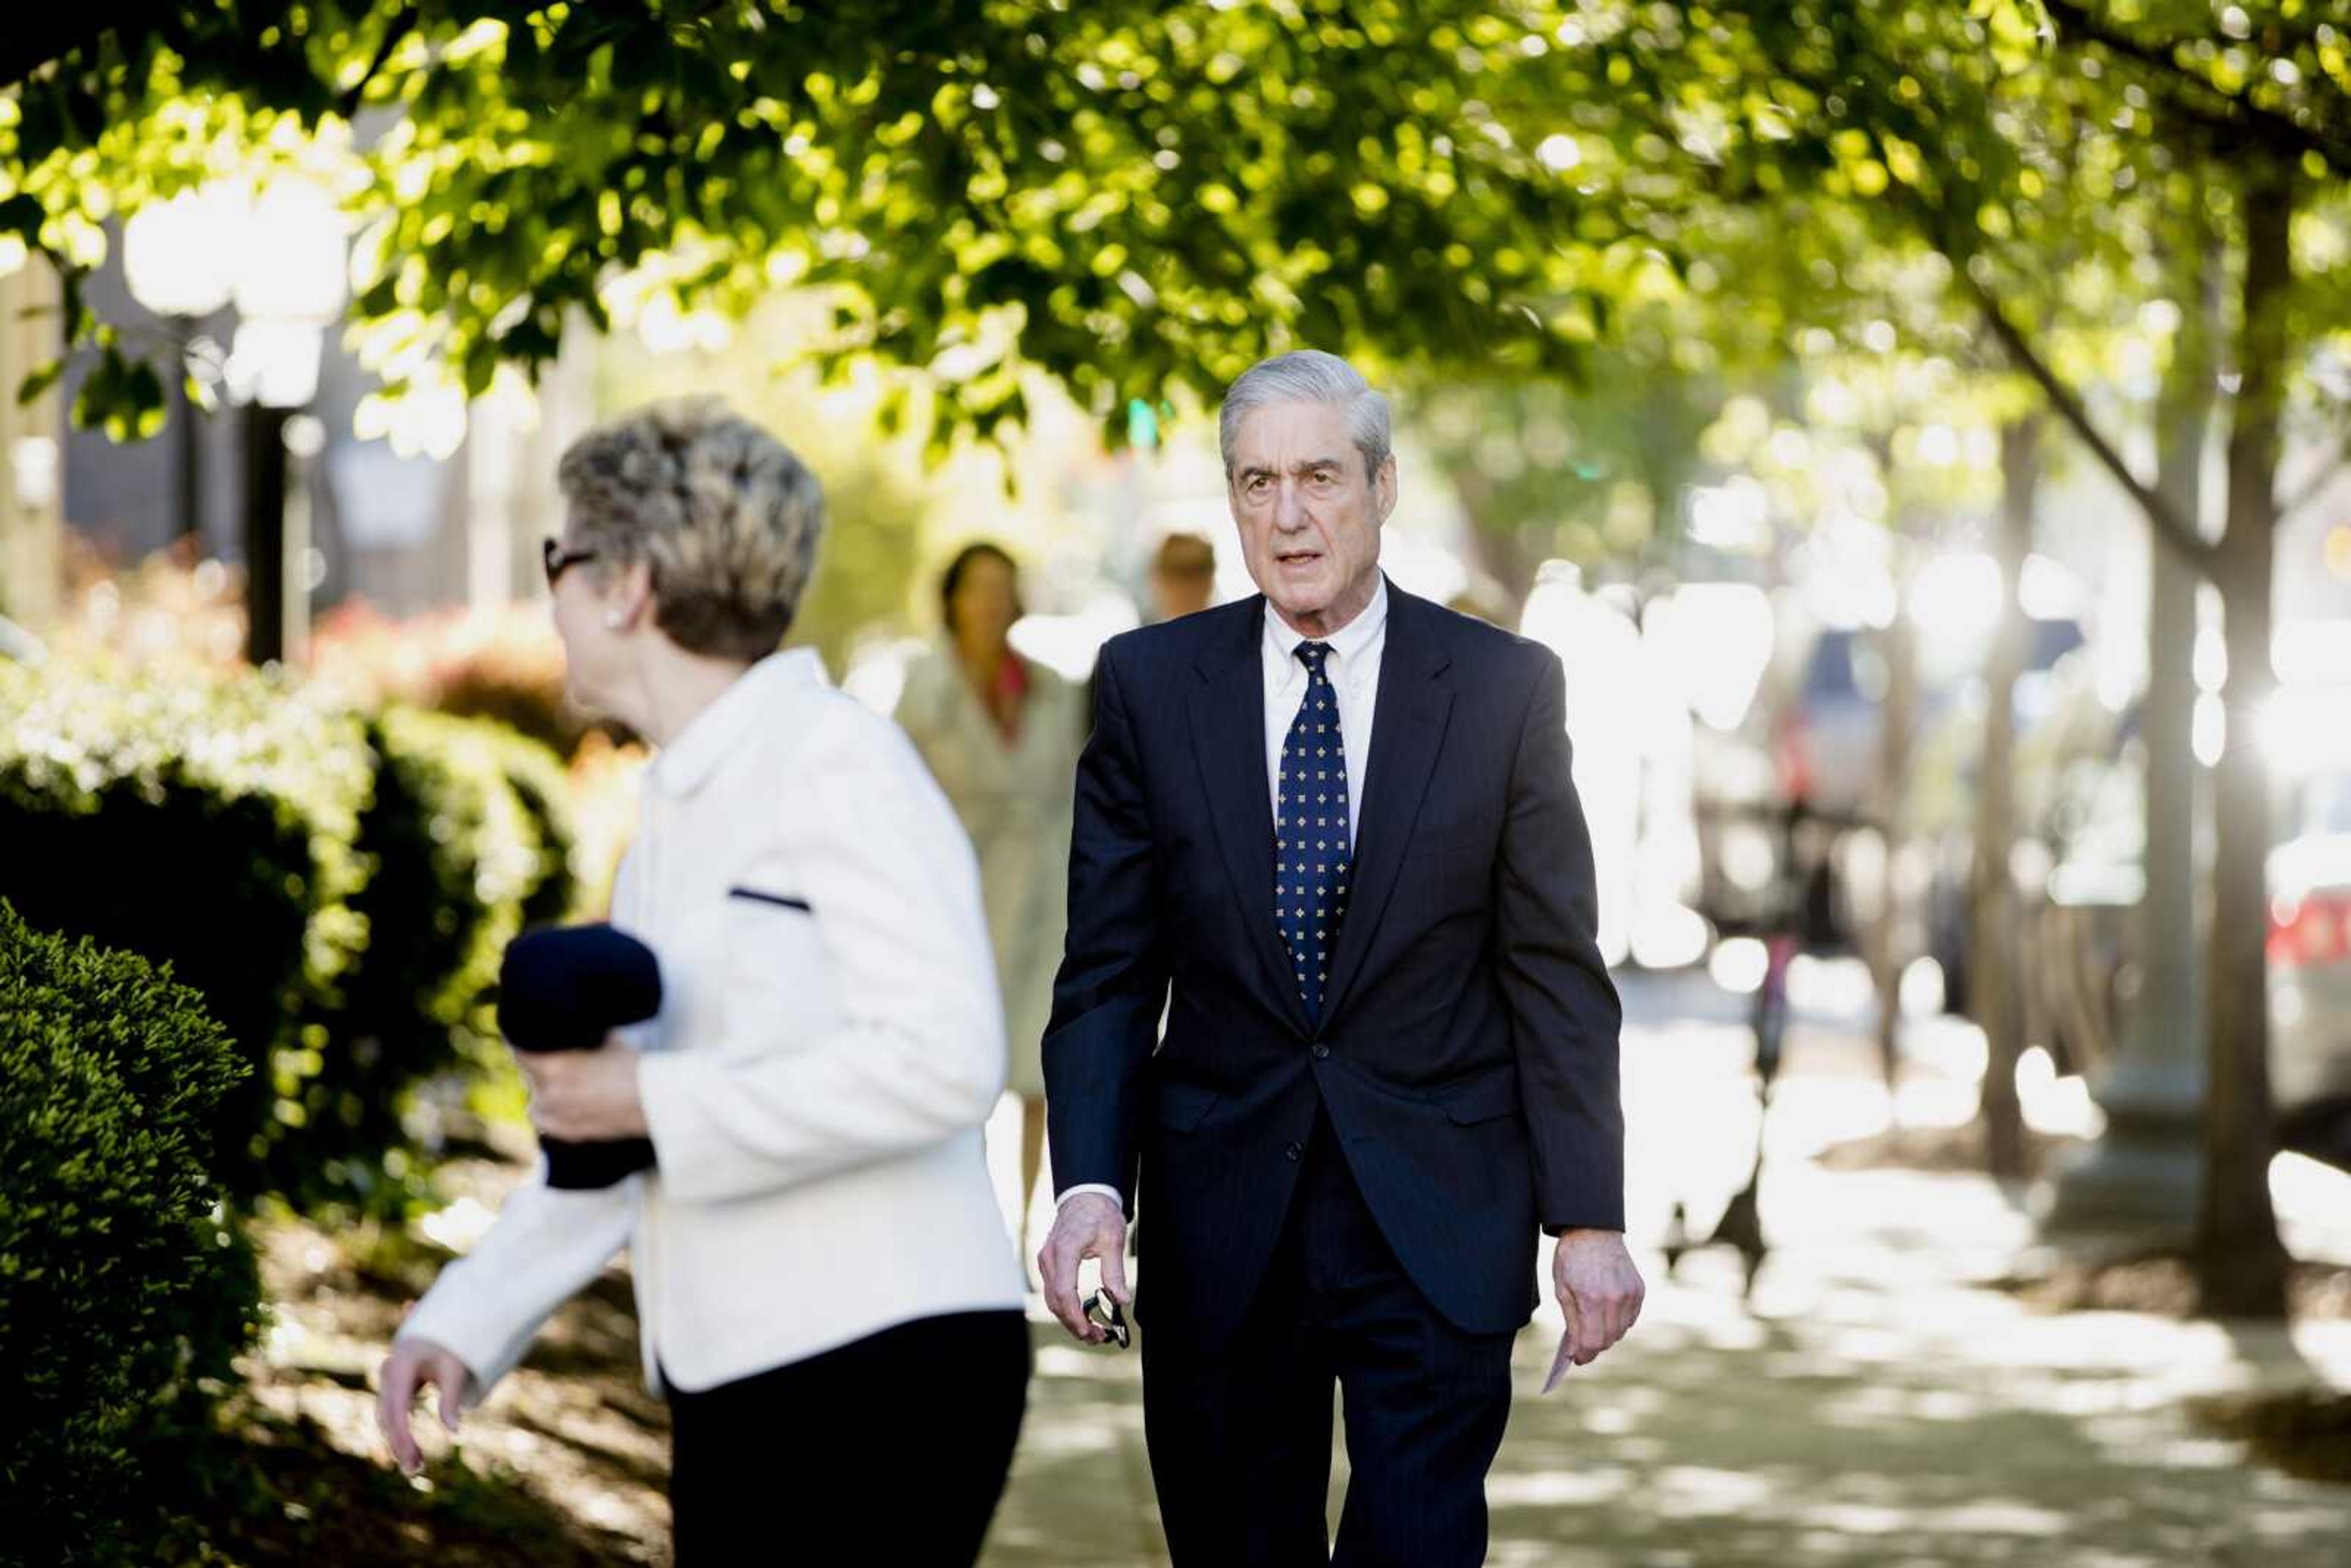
(557, 560)
(1115, 1321)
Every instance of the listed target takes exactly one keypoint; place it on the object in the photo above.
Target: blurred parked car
(1824, 726)
(2310, 971)
(2078, 938)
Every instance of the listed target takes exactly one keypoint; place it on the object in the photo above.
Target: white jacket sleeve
(546, 1244)
(916, 1055)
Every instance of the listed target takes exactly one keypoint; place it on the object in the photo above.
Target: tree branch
(2237, 113)
(2315, 485)
(2170, 526)
(1934, 224)
(40, 34)
(355, 94)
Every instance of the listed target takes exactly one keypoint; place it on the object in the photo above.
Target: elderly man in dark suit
(1331, 831)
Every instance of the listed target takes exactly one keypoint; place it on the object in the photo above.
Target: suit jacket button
(1320, 1051)
(1294, 1150)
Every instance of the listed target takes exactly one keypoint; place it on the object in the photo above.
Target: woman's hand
(582, 1096)
(413, 1366)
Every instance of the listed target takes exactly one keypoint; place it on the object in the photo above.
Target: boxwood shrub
(455, 856)
(125, 1289)
(206, 822)
(339, 887)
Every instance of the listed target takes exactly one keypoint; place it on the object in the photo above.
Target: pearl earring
(612, 618)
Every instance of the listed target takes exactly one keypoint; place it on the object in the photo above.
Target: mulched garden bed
(564, 1469)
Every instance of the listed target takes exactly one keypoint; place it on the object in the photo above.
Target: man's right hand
(413, 1365)
(1087, 1226)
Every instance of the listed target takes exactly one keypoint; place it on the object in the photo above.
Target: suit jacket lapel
(1408, 721)
(1227, 714)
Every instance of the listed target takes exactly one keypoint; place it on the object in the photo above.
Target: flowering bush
(503, 664)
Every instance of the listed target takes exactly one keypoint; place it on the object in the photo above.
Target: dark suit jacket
(1468, 1047)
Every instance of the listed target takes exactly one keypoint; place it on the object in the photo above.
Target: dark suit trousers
(891, 1449)
(1240, 1437)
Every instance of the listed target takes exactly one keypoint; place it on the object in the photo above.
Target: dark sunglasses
(1091, 1308)
(557, 560)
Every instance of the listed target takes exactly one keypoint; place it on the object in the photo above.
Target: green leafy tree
(1139, 198)
(2036, 144)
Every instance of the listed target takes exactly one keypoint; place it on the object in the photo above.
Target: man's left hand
(1600, 1291)
(584, 1096)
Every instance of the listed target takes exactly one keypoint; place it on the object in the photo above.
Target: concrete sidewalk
(1879, 1406)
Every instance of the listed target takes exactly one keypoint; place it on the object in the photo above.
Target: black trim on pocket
(1484, 1096)
(777, 899)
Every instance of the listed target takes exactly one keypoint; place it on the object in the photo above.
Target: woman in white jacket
(820, 1267)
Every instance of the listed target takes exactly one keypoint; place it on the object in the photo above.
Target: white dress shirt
(1354, 667)
(829, 1043)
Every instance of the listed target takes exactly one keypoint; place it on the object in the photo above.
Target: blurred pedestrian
(1485, 600)
(1183, 577)
(817, 1251)
(1001, 735)
(1391, 1054)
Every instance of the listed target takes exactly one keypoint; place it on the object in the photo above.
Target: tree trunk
(1880, 939)
(2240, 1262)
(1994, 991)
(2145, 1174)
(1495, 548)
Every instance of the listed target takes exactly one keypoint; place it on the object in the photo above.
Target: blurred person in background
(1484, 600)
(1001, 735)
(819, 1249)
(1183, 577)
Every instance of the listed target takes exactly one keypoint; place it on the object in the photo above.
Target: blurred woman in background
(1002, 735)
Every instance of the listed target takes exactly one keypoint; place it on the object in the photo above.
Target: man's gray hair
(1308, 375)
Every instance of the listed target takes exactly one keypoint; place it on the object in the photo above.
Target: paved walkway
(1877, 1407)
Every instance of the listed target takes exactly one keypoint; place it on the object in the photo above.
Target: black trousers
(1240, 1436)
(891, 1449)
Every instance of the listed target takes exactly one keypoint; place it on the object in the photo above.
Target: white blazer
(829, 1043)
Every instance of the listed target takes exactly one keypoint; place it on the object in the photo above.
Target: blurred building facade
(405, 532)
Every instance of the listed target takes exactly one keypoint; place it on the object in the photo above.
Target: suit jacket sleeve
(918, 1055)
(1112, 983)
(1565, 1011)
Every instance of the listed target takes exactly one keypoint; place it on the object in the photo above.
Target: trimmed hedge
(542, 788)
(339, 887)
(466, 835)
(125, 1291)
(202, 822)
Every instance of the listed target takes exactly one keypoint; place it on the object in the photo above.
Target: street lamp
(288, 286)
(177, 258)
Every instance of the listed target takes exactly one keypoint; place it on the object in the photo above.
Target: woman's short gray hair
(728, 517)
(1309, 375)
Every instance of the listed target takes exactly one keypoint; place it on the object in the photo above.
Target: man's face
(1309, 516)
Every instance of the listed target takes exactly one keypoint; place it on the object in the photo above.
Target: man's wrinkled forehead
(1293, 438)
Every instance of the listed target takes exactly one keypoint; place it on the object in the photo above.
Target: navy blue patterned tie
(1309, 833)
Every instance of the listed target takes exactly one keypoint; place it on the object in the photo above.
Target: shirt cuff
(1110, 1193)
